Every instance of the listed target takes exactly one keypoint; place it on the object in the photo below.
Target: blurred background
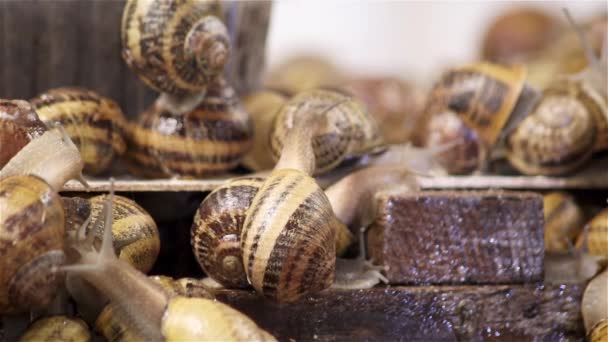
(411, 39)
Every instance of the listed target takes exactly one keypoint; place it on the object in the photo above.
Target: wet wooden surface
(464, 237)
(426, 313)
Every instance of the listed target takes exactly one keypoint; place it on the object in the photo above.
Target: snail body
(32, 221)
(594, 308)
(57, 328)
(19, 124)
(176, 47)
(94, 123)
(210, 138)
(350, 130)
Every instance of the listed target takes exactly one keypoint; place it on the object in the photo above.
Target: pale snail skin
(32, 220)
(95, 124)
(57, 328)
(594, 308)
(150, 311)
(175, 47)
(19, 124)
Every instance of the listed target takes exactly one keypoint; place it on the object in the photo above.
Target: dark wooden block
(426, 313)
(446, 237)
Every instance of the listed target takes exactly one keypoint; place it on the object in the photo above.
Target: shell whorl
(57, 328)
(557, 138)
(288, 238)
(94, 123)
(564, 220)
(31, 243)
(176, 47)
(19, 124)
(350, 131)
(216, 231)
(596, 235)
(134, 233)
(210, 139)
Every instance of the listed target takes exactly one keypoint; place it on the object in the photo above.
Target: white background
(409, 39)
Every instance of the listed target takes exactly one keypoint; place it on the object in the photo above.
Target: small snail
(564, 220)
(594, 239)
(210, 138)
(351, 131)
(57, 328)
(595, 308)
(176, 47)
(19, 124)
(32, 220)
(216, 231)
(567, 125)
(262, 106)
(146, 308)
(94, 123)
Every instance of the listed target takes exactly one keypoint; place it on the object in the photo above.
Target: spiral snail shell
(57, 328)
(564, 220)
(210, 138)
(19, 124)
(595, 237)
(351, 131)
(176, 47)
(94, 123)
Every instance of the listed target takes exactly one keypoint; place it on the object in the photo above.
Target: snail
(217, 227)
(305, 72)
(175, 47)
(94, 123)
(564, 220)
(146, 308)
(262, 106)
(19, 124)
(352, 132)
(594, 308)
(594, 238)
(210, 138)
(568, 124)
(32, 220)
(57, 328)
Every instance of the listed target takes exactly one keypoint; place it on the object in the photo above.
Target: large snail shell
(134, 233)
(288, 237)
(94, 123)
(216, 231)
(19, 124)
(564, 220)
(483, 95)
(57, 328)
(557, 138)
(199, 319)
(175, 46)
(209, 139)
(594, 305)
(597, 235)
(351, 131)
(31, 243)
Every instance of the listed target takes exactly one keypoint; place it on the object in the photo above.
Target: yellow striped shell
(288, 237)
(350, 131)
(564, 220)
(597, 235)
(57, 329)
(175, 46)
(134, 233)
(19, 124)
(599, 333)
(94, 123)
(31, 243)
(210, 139)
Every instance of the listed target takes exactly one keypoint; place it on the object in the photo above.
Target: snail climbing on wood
(175, 47)
(94, 123)
(210, 138)
(32, 220)
(19, 124)
(147, 309)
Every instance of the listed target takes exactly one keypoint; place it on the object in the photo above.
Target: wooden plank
(428, 313)
(448, 237)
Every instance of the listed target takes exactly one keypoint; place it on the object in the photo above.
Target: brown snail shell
(134, 233)
(564, 220)
(557, 138)
(174, 46)
(19, 124)
(216, 231)
(31, 243)
(351, 131)
(94, 123)
(304, 72)
(57, 328)
(209, 139)
(596, 235)
(262, 106)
